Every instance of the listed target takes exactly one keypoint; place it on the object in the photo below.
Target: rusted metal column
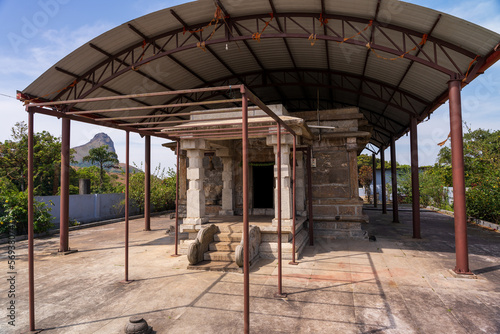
(457, 162)
(294, 205)
(64, 209)
(394, 178)
(246, 259)
(127, 196)
(278, 207)
(178, 152)
(147, 185)
(382, 180)
(374, 163)
(310, 196)
(415, 191)
(31, 200)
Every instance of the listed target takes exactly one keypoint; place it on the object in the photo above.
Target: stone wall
(337, 207)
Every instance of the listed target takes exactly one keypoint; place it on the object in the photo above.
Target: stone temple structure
(210, 189)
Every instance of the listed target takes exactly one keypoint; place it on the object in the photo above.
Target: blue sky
(60, 26)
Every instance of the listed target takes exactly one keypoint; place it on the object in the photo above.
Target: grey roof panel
(422, 81)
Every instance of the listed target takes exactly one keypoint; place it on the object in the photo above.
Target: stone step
(219, 256)
(216, 266)
(223, 246)
(230, 227)
(228, 237)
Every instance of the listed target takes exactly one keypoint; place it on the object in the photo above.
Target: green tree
(365, 177)
(162, 189)
(104, 159)
(110, 182)
(14, 210)
(482, 176)
(367, 160)
(47, 160)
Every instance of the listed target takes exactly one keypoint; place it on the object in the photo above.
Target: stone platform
(220, 256)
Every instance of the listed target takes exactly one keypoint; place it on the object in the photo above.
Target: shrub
(483, 201)
(14, 209)
(162, 189)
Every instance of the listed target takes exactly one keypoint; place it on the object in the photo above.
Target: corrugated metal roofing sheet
(423, 81)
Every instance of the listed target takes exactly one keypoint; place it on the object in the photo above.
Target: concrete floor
(393, 285)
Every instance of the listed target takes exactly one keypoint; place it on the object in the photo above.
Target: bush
(14, 209)
(162, 189)
(483, 202)
(432, 192)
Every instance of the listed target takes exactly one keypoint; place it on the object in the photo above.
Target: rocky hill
(99, 140)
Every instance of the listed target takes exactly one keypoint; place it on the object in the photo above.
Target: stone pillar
(182, 177)
(195, 213)
(227, 182)
(286, 175)
(352, 149)
(301, 185)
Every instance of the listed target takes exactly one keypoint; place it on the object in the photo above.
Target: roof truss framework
(379, 39)
(59, 109)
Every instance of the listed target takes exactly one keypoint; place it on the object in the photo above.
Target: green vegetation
(365, 177)
(106, 183)
(14, 210)
(162, 189)
(47, 159)
(103, 158)
(482, 177)
(367, 160)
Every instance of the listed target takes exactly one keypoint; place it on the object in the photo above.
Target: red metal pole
(309, 195)
(382, 180)
(31, 274)
(246, 259)
(293, 262)
(374, 180)
(457, 162)
(178, 151)
(394, 177)
(127, 185)
(415, 191)
(64, 209)
(147, 185)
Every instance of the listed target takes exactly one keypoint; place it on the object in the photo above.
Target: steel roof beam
(287, 46)
(147, 76)
(171, 57)
(412, 62)
(257, 60)
(175, 60)
(372, 40)
(88, 120)
(114, 91)
(382, 84)
(283, 35)
(209, 49)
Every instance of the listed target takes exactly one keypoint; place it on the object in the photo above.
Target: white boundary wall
(88, 208)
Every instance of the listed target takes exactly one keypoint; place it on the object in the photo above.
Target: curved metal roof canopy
(389, 58)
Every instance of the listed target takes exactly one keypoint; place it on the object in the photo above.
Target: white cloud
(483, 12)
(51, 46)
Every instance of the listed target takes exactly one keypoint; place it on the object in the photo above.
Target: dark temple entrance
(263, 186)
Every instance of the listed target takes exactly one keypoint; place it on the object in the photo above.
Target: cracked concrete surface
(394, 285)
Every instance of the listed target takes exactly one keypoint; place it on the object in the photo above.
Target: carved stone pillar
(227, 182)
(301, 186)
(195, 212)
(286, 175)
(352, 149)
